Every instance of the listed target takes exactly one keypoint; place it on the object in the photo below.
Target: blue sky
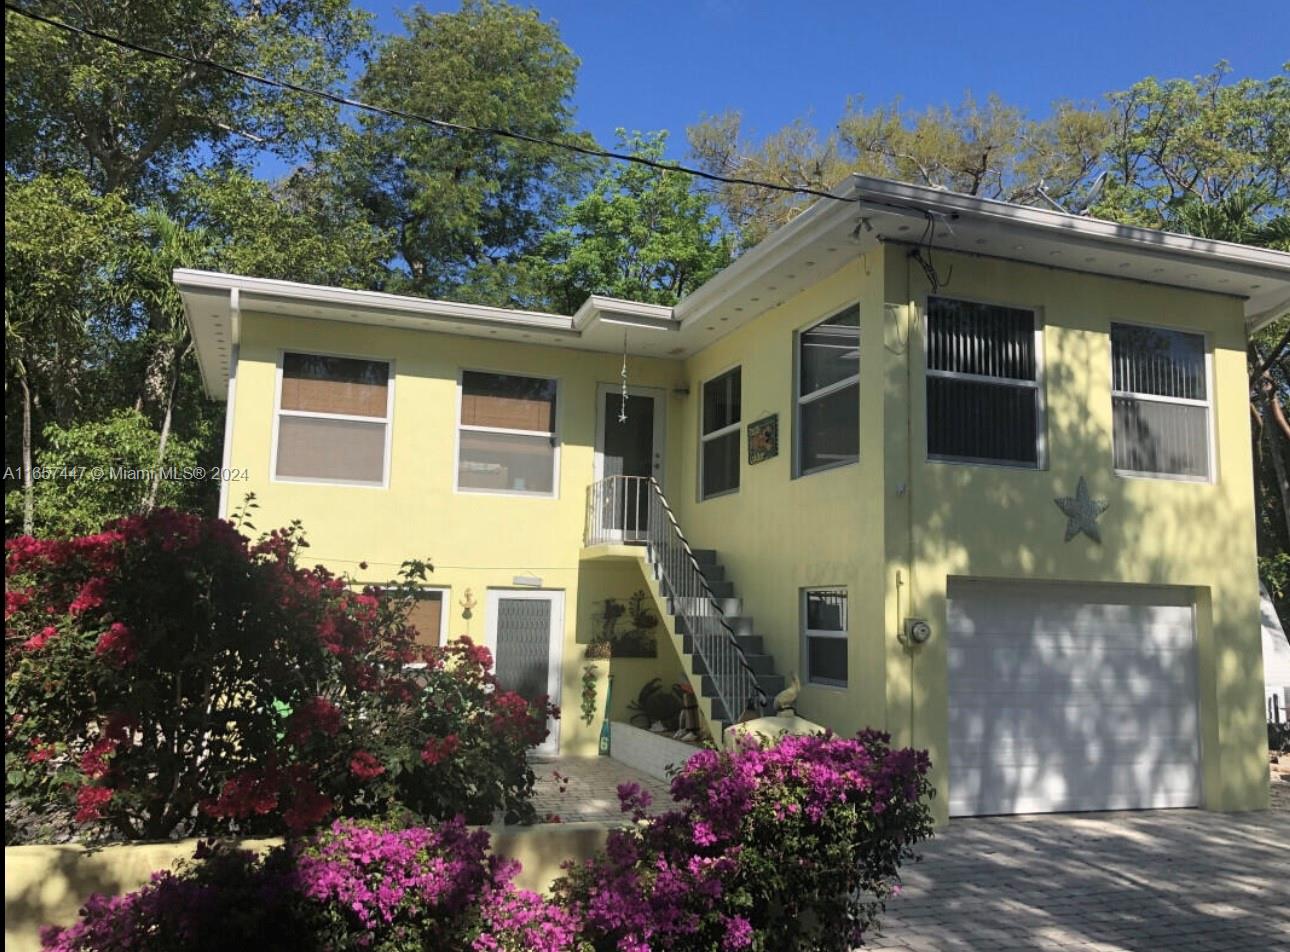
(663, 64)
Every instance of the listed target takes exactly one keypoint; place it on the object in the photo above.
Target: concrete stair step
(760, 663)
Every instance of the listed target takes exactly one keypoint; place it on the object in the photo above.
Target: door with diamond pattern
(525, 633)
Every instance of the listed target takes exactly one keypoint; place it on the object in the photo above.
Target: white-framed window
(506, 434)
(827, 419)
(719, 435)
(1160, 401)
(985, 401)
(824, 636)
(333, 420)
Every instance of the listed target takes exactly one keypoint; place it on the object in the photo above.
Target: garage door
(1066, 697)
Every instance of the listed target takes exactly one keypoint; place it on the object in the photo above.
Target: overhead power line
(458, 127)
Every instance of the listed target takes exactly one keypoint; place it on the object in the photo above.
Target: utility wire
(459, 127)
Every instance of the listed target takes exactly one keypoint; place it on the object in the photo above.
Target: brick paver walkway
(1157, 881)
(590, 791)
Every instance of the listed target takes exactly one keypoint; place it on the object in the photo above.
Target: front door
(525, 635)
(629, 443)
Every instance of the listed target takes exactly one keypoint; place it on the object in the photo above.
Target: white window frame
(1039, 385)
(801, 400)
(1207, 403)
(809, 633)
(444, 592)
(705, 438)
(553, 435)
(387, 421)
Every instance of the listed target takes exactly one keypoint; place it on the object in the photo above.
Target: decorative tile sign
(763, 439)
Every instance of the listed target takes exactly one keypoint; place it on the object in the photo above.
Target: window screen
(824, 631)
(507, 440)
(719, 443)
(983, 400)
(1160, 402)
(333, 414)
(828, 392)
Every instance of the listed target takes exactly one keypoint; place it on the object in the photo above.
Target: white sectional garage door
(1071, 697)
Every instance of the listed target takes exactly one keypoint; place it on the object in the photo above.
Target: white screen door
(525, 634)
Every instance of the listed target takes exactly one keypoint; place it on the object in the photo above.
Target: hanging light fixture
(622, 406)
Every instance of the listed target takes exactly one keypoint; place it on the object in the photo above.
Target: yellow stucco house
(975, 473)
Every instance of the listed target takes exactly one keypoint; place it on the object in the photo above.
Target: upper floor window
(719, 440)
(506, 441)
(1160, 402)
(984, 401)
(828, 392)
(824, 635)
(333, 420)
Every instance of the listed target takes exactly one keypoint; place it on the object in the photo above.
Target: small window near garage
(1160, 402)
(429, 617)
(824, 636)
(719, 443)
(828, 393)
(984, 403)
(333, 420)
(507, 440)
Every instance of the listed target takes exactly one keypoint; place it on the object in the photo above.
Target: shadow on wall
(1093, 717)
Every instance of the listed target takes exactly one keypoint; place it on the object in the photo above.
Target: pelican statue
(786, 699)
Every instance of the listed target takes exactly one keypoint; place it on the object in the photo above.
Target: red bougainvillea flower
(308, 807)
(251, 792)
(15, 600)
(438, 749)
(116, 645)
(365, 766)
(91, 596)
(40, 751)
(36, 642)
(317, 714)
(94, 762)
(90, 802)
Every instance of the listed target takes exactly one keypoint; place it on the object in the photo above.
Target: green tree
(639, 233)
(62, 244)
(136, 123)
(452, 201)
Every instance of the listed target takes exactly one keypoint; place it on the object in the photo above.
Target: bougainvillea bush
(168, 676)
(771, 849)
(352, 886)
(790, 846)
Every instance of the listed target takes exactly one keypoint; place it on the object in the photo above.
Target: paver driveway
(1160, 881)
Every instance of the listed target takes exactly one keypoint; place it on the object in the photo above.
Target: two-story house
(978, 474)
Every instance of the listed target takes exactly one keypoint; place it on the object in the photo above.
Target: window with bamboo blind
(333, 419)
(427, 616)
(507, 436)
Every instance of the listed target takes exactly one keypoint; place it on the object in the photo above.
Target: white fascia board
(270, 289)
(1256, 322)
(1076, 228)
(782, 243)
(597, 307)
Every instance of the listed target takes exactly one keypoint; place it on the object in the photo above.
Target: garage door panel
(1067, 697)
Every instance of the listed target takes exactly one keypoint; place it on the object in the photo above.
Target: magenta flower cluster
(794, 845)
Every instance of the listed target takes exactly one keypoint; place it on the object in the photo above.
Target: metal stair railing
(633, 510)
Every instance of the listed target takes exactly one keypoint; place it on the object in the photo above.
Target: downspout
(230, 401)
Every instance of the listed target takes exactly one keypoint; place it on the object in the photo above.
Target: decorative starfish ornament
(1082, 513)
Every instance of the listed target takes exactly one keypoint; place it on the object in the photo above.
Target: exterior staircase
(763, 664)
(723, 658)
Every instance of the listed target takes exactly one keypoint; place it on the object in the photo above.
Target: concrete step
(752, 644)
(760, 663)
(705, 556)
(713, 573)
(721, 588)
(772, 684)
(729, 605)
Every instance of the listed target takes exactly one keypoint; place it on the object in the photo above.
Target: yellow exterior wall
(995, 522)
(475, 541)
(892, 528)
(777, 534)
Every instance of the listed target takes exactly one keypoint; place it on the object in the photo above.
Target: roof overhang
(823, 238)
